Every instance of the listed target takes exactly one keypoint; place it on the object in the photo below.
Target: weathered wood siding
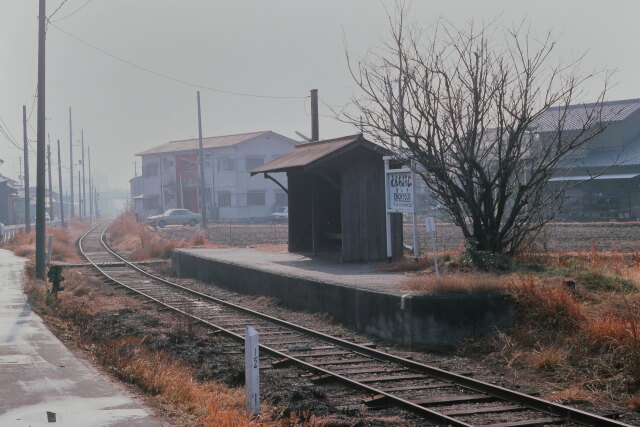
(299, 212)
(363, 209)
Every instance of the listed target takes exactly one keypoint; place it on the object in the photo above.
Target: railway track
(441, 397)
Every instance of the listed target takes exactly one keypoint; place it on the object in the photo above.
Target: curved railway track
(441, 397)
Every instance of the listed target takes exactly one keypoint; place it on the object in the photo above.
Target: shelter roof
(577, 115)
(210, 142)
(308, 154)
(10, 182)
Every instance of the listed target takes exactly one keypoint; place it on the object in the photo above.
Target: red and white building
(170, 176)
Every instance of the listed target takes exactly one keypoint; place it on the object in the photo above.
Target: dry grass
(127, 234)
(455, 284)
(160, 374)
(425, 262)
(156, 373)
(23, 244)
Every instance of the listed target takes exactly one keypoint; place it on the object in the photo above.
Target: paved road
(39, 375)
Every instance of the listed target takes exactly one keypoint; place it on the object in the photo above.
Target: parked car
(282, 214)
(174, 217)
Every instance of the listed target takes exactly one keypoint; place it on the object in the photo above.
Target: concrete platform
(38, 374)
(356, 295)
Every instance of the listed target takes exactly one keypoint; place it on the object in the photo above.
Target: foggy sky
(277, 48)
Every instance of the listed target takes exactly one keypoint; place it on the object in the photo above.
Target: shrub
(484, 260)
(599, 282)
(546, 307)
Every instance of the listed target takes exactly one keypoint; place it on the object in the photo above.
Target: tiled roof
(576, 115)
(305, 154)
(211, 142)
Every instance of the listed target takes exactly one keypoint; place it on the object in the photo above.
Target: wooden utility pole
(71, 177)
(79, 197)
(41, 132)
(60, 188)
(315, 132)
(84, 187)
(27, 196)
(203, 198)
(90, 186)
(50, 181)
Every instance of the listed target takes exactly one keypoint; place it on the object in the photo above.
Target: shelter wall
(363, 209)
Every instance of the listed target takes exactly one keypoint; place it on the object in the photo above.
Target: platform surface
(363, 276)
(38, 374)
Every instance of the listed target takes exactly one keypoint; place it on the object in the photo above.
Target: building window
(226, 164)
(150, 204)
(256, 198)
(281, 198)
(224, 199)
(252, 162)
(150, 170)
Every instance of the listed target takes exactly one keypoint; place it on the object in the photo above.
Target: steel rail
(528, 401)
(427, 413)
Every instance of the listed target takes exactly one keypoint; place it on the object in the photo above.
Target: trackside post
(252, 370)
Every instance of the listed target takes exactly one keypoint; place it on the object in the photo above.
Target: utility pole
(40, 178)
(71, 164)
(27, 196)
(84, 188)
(79, 197)
(201, 151)
(90, 187)
(50, 182)
(60, 188)
(315, 132)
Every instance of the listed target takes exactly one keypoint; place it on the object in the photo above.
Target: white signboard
(400, 190)
(430, 224)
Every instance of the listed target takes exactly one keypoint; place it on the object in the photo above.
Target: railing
(10, 231)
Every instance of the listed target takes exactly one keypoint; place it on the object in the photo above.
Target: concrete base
(354, 294)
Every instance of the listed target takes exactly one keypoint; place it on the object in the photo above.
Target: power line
(56, 11)
(72, 13)
(164, 76)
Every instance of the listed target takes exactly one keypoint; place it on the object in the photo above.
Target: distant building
(8, 200)
(170, 176)
(612, 158)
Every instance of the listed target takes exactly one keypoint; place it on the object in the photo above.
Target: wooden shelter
(336, 198)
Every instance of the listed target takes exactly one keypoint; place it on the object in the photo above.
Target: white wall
(238, 182)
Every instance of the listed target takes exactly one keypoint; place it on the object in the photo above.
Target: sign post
(252, 370)
(430, 224)
(400, 195)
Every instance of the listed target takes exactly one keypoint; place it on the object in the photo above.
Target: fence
(10, 231)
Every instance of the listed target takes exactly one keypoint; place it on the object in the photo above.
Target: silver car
(174, 217)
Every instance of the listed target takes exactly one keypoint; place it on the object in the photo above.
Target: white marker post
(430, 224)
(387, 212)
(49, 250)
(414, 224)
(252, 370)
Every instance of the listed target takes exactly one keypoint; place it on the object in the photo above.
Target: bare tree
(486, 117)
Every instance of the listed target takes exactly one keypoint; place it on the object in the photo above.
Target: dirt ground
(607, 236)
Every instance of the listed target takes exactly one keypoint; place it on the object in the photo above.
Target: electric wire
(70, 14)
(174, 79)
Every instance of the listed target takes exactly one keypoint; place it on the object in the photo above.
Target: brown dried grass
(423, 263)
(456, 284)
(127, 234)
(23, 244)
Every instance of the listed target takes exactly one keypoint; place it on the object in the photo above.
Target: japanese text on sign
(400, 191)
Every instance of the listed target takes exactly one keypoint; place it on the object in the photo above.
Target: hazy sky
(277, 48)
